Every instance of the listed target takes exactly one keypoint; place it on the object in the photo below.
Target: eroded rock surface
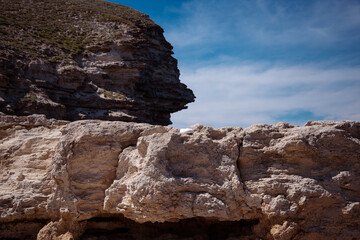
(95, 179)
(79, 59)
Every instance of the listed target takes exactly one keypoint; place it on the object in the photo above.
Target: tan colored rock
(61, 230)
(101, 178)
(284, 231)
(307, 174)
(27, 149)
(85, 163)
(171, 176)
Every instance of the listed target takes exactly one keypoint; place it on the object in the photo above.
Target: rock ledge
(95, 179)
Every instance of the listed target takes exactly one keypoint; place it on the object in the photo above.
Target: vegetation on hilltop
(58, 28)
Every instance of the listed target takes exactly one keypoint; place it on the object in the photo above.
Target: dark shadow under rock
(118, 227)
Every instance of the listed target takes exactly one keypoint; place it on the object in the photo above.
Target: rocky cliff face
(83, 59)
(95, 179)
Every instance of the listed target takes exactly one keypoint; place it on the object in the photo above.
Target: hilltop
(67, 26)
(82, 59)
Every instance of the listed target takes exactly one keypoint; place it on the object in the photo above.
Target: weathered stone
(272, 181)
(170, 176)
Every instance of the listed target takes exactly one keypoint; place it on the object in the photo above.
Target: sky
(263, 61)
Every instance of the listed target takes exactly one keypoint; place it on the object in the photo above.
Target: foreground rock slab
(95, 179)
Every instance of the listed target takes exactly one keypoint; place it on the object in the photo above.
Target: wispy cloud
(267, 22)
(321, 23)
(259, 61)
(241, 95)
(197, 25)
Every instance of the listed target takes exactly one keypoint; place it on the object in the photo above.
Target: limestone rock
(308, 175)
(170, 176)
(95, 179)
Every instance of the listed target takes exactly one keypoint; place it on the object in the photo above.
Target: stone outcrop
(78, 59)
(109, 174)
(93, 179)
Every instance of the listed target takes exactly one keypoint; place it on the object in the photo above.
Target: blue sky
(263, 61)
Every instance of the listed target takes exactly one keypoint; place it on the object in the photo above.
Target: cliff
(80, 81)
(79, 59)
(94, 179)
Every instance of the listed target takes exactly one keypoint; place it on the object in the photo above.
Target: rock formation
(109, 174)
(94, 179)
(79, 59)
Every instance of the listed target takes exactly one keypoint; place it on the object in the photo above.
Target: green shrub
(114, 95)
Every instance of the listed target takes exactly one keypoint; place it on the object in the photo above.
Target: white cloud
(198, 25)
(234, 93)
(245, 94)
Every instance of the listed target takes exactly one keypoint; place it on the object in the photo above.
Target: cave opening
(119, 227)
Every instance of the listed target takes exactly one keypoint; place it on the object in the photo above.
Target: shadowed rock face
(86, 60)
(95, 179)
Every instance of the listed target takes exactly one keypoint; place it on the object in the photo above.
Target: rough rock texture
(95, 179)
(79, 59)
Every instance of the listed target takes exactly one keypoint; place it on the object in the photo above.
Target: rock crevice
(240, 145)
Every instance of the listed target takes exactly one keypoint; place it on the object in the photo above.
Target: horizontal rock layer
(95, 179)
(75, 59)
